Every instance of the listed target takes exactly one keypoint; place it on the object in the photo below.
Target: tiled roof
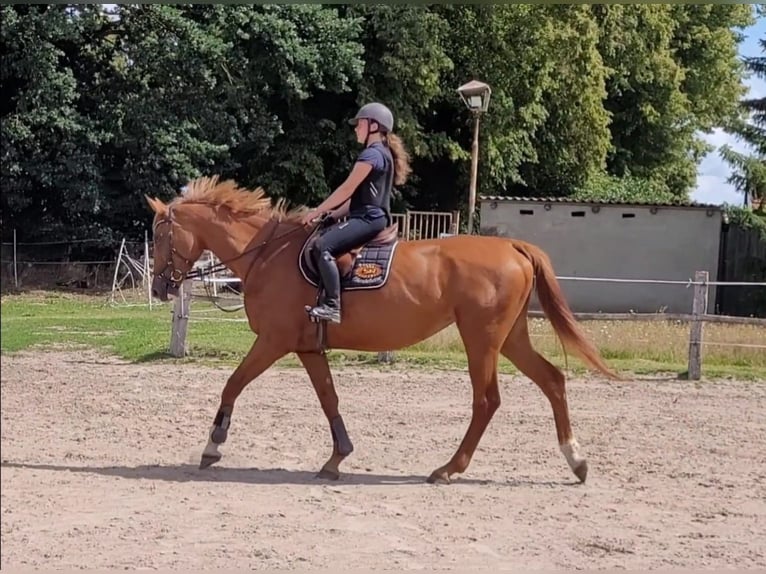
(679, 203)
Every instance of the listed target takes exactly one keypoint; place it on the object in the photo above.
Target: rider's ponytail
(402, 168)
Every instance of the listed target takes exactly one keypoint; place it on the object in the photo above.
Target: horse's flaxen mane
(211, 191)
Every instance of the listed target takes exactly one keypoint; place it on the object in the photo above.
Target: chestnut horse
(482, 284)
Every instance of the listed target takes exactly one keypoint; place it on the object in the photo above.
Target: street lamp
(475, 95)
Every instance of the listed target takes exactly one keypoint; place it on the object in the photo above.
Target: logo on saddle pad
(368, 271)
(366, 267)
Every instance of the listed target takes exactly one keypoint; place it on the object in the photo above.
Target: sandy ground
(99, 470)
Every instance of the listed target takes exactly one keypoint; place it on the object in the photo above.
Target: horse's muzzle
(162, 288)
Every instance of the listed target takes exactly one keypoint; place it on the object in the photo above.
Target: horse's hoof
(208, 460)
(581, 472)
(327, 474)
(439, 477)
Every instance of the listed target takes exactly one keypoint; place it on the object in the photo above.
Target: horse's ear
(157, 205)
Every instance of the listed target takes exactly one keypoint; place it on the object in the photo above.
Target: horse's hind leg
(518, 349)
(321, 378)
(482, 367)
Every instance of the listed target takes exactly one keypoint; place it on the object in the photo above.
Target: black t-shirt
(373, 196)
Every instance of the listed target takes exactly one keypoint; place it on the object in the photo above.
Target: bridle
(174, 275)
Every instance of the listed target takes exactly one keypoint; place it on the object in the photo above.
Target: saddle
(363, 267)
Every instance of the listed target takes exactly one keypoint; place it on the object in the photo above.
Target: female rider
(365, 197)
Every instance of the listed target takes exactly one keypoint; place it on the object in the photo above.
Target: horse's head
(175, 251)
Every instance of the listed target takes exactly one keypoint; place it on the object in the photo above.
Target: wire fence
(126, 267)
(71, 263)
(695, 320)
(78, 263)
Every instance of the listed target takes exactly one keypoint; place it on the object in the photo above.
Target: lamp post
(475, 95)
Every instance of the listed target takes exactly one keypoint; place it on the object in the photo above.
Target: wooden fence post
(147, 269)
(181, 309)
(15, 262)
(406, 233)
(455, 227)
(699, 309)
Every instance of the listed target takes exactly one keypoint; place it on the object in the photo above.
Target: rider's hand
(309, 218)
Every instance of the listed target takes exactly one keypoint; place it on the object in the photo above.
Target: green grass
(135, 333)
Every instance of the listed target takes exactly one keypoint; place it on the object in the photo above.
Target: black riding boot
(329, 310)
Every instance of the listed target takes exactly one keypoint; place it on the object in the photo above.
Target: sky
(713, 171)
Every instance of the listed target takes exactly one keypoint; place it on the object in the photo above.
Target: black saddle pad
(370, 269)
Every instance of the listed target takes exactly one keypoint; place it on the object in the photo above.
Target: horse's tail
(557, 309)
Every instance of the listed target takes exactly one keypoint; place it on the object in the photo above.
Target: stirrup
(325, 313)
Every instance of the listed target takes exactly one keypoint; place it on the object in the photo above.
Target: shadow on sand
(264, 476)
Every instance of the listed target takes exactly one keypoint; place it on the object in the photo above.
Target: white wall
(671, 243)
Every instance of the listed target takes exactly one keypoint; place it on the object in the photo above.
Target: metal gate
(426, 224)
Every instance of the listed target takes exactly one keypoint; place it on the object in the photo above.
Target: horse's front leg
(319, 372)
(260, 357)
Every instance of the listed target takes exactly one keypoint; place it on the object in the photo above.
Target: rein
(176, 275)
(222, 265)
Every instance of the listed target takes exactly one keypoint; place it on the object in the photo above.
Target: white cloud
(713, 171)
(719, 138)
(757, 89)
(714, 189)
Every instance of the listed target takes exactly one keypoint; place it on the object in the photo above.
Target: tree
(673, 73)
(50, 173)
(749, 174)
(546, 130)
(99, 109)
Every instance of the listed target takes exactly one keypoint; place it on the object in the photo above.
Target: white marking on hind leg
(571, 451)
(212, 448)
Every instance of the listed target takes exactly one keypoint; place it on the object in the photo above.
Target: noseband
(175, 275)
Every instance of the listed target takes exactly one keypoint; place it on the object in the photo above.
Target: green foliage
(747, 218)
(674, 73)
(575, 138)
(100, 109)
(104, 111)
(628, 189)
(749, 175)
(50, 172)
